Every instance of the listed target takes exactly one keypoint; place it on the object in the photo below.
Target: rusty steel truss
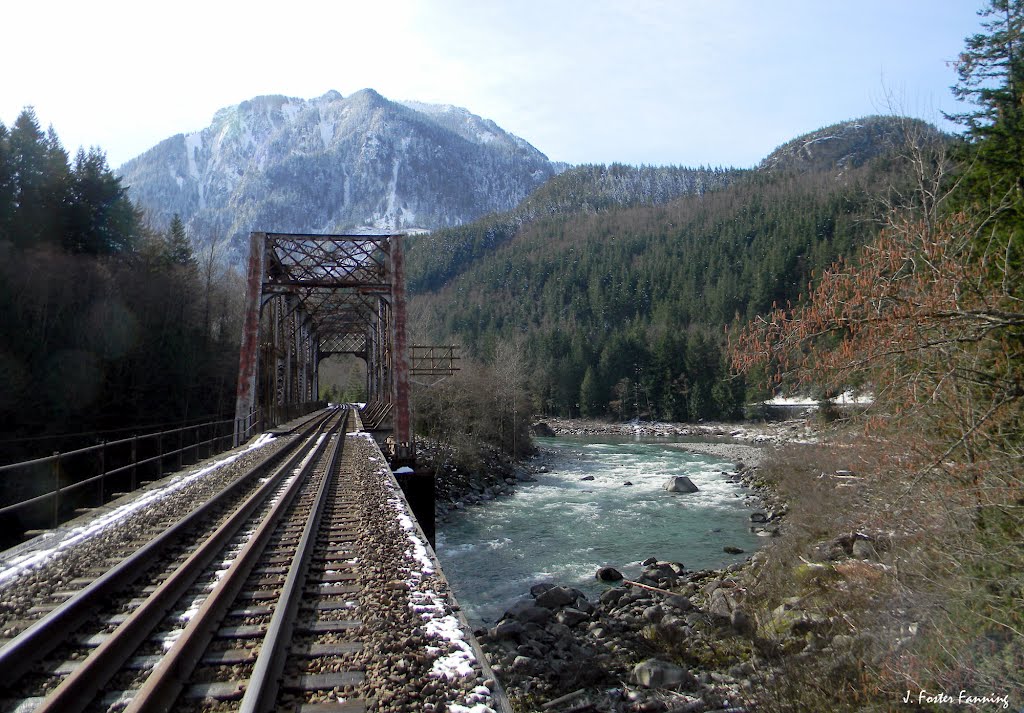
(430, 364)
(311, 296)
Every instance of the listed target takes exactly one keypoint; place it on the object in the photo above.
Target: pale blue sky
(712, 82)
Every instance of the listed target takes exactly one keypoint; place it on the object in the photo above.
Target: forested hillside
(440, 257)
(103, 322)
(623, 297)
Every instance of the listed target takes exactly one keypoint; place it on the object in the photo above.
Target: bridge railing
(114, 465)
(276, 414)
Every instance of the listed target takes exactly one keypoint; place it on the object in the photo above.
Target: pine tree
(102, 220)
(28, 163)
(178, 247)
(7, 185)
(591, 396)
(991, 78)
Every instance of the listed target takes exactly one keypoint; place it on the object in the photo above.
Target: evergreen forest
(105, 324)
(621, 282)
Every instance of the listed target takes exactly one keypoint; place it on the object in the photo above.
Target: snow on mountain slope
(332, 164)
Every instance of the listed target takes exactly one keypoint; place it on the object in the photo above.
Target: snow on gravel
(53, 542)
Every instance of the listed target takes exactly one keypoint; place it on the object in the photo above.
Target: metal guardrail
(201, 440)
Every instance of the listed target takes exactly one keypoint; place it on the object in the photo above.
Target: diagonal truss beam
(311, 296)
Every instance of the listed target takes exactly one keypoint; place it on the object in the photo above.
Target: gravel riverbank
(743, 443)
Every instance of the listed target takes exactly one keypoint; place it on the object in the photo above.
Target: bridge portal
(309, 297)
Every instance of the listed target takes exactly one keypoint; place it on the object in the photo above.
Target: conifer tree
(591, 397)
(178, 246)
(102, 219)
(991, 78)
(28, 161)
(7, 185)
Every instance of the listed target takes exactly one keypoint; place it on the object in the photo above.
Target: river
(562, 528)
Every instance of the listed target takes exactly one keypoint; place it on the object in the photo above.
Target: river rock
(680, 484)
(672, 631)
(587, 477)
(522, 663)
(506, 629)
(611, 597)
(529, 613)
(679, 602)
(721, 603)
(584, 606)
(654, 673)
(542, 429)
(608, 574)
(654, 613)
(556, 597)
(732, 550)
(541, 587)
(571, 617)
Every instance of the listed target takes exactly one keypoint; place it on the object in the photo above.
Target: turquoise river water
(562, 528)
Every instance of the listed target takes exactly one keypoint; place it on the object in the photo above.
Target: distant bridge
(309, 297)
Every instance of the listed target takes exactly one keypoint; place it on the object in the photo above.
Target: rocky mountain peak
(332, 164)
(846, 144)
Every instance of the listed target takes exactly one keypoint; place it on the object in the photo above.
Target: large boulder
(556, 597)
(654, 673)
(542, 429)
(528, 613)
(571, 617)
(680, 484)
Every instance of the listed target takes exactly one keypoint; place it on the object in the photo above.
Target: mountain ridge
(621, 304)
(334, 164)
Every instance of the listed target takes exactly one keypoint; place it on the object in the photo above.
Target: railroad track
(125, 620)
(308, 589)
(121, 619)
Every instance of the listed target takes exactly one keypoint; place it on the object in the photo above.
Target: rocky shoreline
(671, 640)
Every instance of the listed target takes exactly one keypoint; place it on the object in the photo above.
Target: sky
(684, 82)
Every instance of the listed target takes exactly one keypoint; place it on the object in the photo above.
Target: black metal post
(103, 469)
(135, 460)
(56, 489)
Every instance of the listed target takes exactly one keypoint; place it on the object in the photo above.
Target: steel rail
(76, 692)
(166, 681)
(261, 693)
(31, 645)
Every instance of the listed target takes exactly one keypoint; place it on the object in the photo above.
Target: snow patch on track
(53, 542)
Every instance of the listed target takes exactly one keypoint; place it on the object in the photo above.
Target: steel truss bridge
(309, 297)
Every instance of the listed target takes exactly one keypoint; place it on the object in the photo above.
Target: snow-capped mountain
(334, 164)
